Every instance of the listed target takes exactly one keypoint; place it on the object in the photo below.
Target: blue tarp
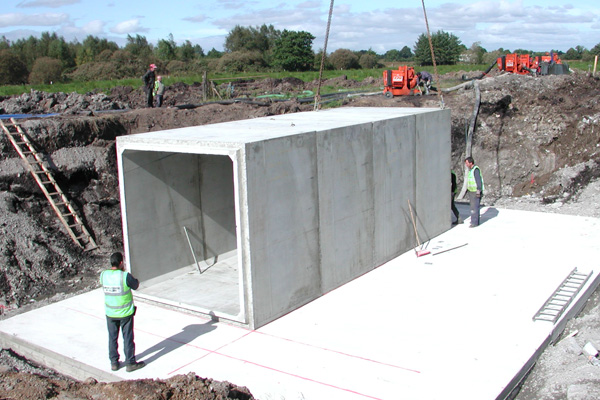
(20, 116)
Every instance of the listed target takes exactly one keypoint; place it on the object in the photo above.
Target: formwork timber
(454, 324)
(249, 220)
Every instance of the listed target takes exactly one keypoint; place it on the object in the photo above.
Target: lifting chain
(318, 95)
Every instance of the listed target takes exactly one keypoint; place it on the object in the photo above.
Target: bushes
(344, 59)
(195, 67)
(94, 71)
(13, 71)
(46, 70)
(241, 61)
(368, 61)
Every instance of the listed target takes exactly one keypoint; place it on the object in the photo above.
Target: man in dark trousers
(475, 189)
(149, 78)
(453, 190)
(118, 301)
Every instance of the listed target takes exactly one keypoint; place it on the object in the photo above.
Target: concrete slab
(457, 323)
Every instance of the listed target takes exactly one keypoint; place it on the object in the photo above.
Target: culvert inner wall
(167, 192)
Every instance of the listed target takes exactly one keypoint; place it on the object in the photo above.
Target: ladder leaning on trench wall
(43, 176)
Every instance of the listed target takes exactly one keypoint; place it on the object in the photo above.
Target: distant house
(467, 57)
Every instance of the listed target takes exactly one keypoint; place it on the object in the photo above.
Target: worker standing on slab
(453, 191)
(475, 189)
(118, 300)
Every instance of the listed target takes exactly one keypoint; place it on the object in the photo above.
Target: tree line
(49, 58)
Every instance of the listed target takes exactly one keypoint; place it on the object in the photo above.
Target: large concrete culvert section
(249, 220)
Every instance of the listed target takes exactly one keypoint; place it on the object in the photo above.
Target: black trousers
(453, 207)
(126, 327)
(149, 97)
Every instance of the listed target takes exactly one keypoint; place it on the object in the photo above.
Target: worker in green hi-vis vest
(475, 189)
(118, 303)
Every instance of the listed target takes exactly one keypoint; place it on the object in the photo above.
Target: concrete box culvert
(249, 220)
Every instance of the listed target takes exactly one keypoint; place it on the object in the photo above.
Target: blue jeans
(126, 326)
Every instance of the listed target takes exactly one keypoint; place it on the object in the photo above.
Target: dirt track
(537, 143)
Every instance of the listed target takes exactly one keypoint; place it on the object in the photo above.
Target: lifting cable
(318, 94)
(435, 71)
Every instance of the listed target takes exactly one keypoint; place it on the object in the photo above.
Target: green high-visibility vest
(471, 184)
(118, 299)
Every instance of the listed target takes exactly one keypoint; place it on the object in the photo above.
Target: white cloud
(95, 27)
(47, 3)
(196, 18)
(129, 26)
(45, 19)
(234, 4)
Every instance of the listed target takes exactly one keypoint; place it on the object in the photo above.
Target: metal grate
(558, 302)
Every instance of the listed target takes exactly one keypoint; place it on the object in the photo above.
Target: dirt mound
(536, 140)
(24, 380)
(36, 102)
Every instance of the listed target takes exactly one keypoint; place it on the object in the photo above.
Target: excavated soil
(537, 141)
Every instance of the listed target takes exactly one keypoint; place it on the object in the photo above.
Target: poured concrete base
(455, 325)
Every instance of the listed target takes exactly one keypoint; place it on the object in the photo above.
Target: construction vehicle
(524, 64)
(400, 82)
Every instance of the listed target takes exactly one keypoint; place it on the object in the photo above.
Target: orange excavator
(400, 82)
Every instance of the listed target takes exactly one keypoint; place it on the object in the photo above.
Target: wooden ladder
(43, 176)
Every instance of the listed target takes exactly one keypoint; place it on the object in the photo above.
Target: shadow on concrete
(187, 335)
(488, 214)
(464, 209)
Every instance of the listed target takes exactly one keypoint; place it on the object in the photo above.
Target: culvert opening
(181, 229)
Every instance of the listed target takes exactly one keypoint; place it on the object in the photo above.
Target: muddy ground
(537, 141)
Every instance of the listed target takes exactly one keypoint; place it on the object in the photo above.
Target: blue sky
(539, 25)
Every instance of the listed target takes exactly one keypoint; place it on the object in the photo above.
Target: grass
(79, 87)
(586, 66)
(309, 76)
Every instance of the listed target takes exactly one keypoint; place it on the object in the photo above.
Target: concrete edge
(576, 308)
(559, 327)
(48, 358)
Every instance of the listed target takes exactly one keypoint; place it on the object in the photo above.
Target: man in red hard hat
(148, 80)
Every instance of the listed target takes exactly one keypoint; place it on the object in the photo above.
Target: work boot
(114, 367)
(135, 366)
